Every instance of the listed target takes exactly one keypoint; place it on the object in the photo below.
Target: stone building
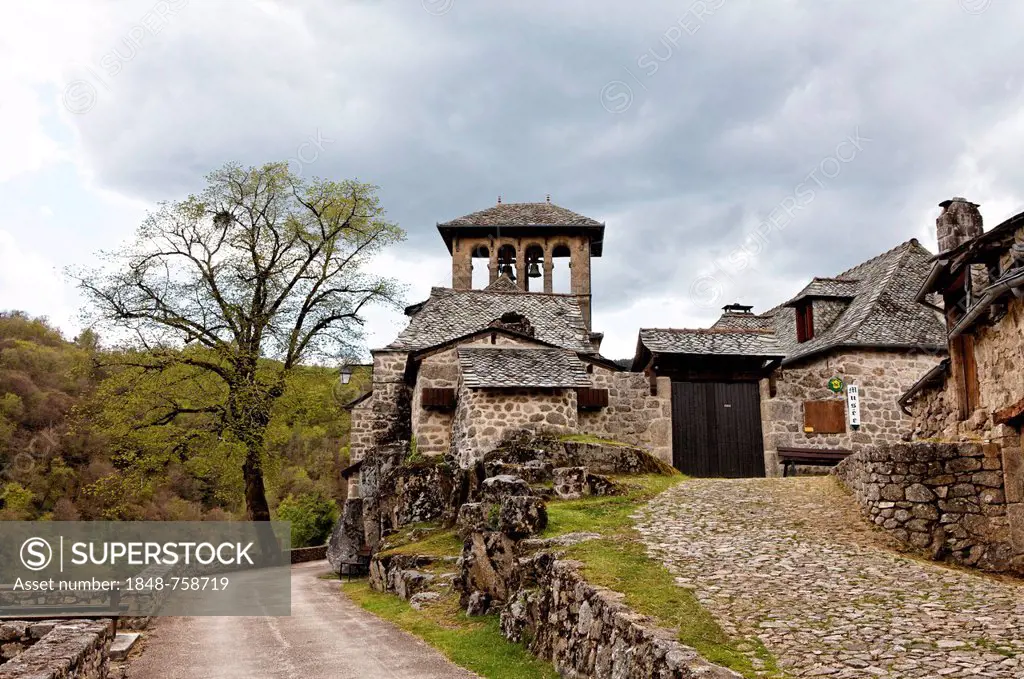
(756, 390)
(957, 487)
(475, 364)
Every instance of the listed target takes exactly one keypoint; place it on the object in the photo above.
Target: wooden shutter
(825, 417)
(804, 322)
(591, 399)
(440, 399)
(965, 367)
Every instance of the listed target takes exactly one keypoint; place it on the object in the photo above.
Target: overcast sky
(734, 148)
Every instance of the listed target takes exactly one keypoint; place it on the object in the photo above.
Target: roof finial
(549, 198)
(499, 199)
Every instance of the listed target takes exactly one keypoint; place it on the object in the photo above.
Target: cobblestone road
(791, 562)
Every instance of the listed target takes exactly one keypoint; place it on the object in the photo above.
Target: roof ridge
(716, 331)
(904, 244)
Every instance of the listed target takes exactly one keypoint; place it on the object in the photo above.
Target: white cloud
(31, 282)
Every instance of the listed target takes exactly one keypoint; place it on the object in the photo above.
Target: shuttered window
(591, 399)
(804, 322)
(439, 399)
(825, 417)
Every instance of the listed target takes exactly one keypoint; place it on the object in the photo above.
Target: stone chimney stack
(959, 222)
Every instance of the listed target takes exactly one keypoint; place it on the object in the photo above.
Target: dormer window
(804, 321)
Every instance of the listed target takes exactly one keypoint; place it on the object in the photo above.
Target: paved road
(327, 637)
(793, 563)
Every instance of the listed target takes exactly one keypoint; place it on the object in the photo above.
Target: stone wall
(883, 376)
(945, 499)
(307, 554)
(75, 649)
(433, 428)
(483, 417)
(587, 631)
(999, 352)
(633, 415)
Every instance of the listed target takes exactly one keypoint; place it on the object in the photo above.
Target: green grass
(424, 540)
(589, 438)
(473, 643)
(619, 562)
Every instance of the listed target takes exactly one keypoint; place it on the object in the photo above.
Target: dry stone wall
(484, 417)
(883, 376)
(75, 649)
(633, 415)
(587, 631)
(945, 499)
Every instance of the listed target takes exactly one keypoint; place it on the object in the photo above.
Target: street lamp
(346, 374)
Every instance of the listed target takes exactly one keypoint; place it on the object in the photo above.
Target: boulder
(497, 488)
(522, 516)
(421, 600)
(488, 565)
(570, 482)
(598, 484)
(474, 517)
(478, 604)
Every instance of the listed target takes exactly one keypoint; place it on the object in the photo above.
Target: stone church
(475, 364)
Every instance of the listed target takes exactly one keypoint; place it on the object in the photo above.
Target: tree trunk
(256, 507)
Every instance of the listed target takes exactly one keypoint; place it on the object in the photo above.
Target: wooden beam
(1009, 414)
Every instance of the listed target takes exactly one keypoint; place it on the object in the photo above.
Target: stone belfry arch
(521, 241)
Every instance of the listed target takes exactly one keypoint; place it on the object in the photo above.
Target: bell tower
(525, 242)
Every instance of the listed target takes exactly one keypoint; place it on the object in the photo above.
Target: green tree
(312, 517)
(261, 264)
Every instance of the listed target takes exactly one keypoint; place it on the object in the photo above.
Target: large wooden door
(716, 429)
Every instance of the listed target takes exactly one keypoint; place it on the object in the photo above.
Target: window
(804, 322)
(825, 417)
(591, 399)
(438, 399)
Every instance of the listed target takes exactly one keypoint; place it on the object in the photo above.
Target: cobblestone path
(791, 562)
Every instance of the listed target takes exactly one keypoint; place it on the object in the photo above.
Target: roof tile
(521, 367)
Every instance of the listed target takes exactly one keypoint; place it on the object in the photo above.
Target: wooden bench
(822, 457)
(361, 565)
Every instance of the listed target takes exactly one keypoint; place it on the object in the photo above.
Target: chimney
(549, 198)
(959, 222)
(499, 199)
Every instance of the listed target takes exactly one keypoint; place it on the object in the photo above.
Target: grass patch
(588, 438)
(473, 643)
(619, 562)
(424, 540)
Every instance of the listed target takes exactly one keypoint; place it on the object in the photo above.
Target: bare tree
(261, 265)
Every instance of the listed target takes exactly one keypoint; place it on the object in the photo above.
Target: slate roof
(521, 367)
(882, 313)
(449, 314)
(827, 288)
(523, 214)
(733, 321)
(871, 305)
(521, 219)
(715, 341)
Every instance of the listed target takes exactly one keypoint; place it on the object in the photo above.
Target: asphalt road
(326, 637)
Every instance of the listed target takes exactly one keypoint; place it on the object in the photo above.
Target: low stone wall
(586, 631)
(944, 499)
(77, 649)
(307, 554)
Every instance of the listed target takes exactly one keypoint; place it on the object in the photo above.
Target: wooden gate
(716, 429)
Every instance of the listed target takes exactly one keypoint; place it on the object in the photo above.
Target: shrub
(312, 515)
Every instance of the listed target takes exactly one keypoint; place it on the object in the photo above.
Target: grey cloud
(446, 112)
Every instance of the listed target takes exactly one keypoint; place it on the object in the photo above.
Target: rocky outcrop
(531, 450)
(496, 488)
(348, 538)
(488, 566)
(522, 516)
(570, 482)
